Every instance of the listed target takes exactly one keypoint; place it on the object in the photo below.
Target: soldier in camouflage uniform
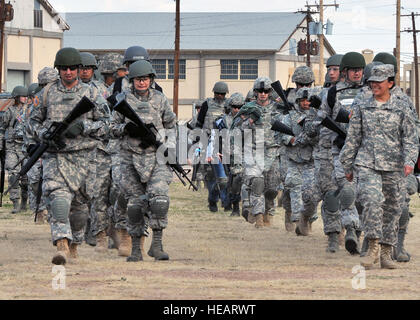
(12, 130)
(261, 180)
(65, 170)
(145, 179)
(99, 207)
(338, 208)
(300, 177)
(211, 109)
(380, 157)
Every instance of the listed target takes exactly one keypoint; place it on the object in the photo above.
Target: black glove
(315, 102)
(132, 130)
(339, 142)
(30, 149)
(74, 130)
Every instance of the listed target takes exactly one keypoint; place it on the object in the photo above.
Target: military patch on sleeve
(36, 101)
(350, 114)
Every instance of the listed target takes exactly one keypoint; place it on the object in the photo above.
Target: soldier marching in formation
(104, 177)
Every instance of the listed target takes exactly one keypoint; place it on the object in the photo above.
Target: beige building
(31, 41)
(408, 80)
(226, 46)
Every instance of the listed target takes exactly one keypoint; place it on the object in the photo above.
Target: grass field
(212, 256)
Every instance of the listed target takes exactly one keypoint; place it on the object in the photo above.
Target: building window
(160, 67)
(249, 69)
(229, 69)
(37, 18)
(171, 69)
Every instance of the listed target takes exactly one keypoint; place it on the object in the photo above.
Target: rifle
(343, 116)
(330, 124)
(276, 85)
(53, 135)
(149, 133)
(39, 192)
(281, 127)
(3, 163)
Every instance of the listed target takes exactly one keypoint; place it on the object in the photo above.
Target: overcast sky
(358, 24)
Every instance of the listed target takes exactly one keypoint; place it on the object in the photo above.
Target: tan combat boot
(125, 243)
(289, 225)
(267, 218)
(41, 217)
(341, 237)
(101, 242)
(142, 238)
(63, 252)
(73, 251)
(259, 222)
(372, 256)
(252, 218)
(386, 257)
(113, 234)
(302, 228)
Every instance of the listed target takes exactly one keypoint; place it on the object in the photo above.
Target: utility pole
(6, 14)
(398, 42)
(308, 36)
(176, 59)
(416, 60)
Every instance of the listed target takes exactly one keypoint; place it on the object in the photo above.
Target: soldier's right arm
(117, 125)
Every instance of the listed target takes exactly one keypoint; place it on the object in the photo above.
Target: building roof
(54, 14)
(199, 31)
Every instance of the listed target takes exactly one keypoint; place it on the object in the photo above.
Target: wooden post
(176, 59)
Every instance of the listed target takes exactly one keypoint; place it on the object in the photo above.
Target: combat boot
(365, 247)
(89, 237)
(113, 238)
(156, 248)
(228, 207)
(312, 219)
(372, 256)
(63, 252)
(213, 206)
(136, 254)
(401, 255)
(302, 228)
(289, 225)
(24, 203)
(259, 221)
(16, 206)
(333, 245)
(235, 210)
(386, 258)
(41, 217)
(245, 213)
(73, 251)
(267, 218)
(101, 242)
(142, 239)
(351, 243)
(125, 243)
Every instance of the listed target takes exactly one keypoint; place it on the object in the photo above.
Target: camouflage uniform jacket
(155, 109)
(380, 137)
(12, 125)
(60, 101)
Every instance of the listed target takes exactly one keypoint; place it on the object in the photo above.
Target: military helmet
(47, 75)
(141, 68)
(220, 87)
(33, 89)
(135, 53)
(367, 72)
(250, 95)
(88, 60)
(303, 74)
(236, 100)
(110, 62)
(19, 91)
(386, 58)
(67, 57)
(334, 60)
(352, 60)
(262, 83)
(302, 93)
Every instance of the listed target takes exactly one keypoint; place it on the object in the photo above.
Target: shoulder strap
(117, 85)
(331, 95)
(45, 93)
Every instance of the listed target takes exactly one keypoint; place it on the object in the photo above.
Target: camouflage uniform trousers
(349, 216)
(380, 193)
(118, 215)
(285, 198)
(140, 194)
(34, 176)
(65, 177)
(14, 154)
(300, 181)
(409, 187)
(101, 199)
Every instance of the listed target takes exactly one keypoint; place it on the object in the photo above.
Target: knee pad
(332, 203)
(271, 194)
(257, 186)
(78, 221)
(135, 214)
(347, 197)
(159, 206)
(60, 209)
(236, 184)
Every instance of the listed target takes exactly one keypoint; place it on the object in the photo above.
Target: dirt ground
(212, 256)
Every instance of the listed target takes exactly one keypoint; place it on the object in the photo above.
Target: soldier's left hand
(408, 170)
